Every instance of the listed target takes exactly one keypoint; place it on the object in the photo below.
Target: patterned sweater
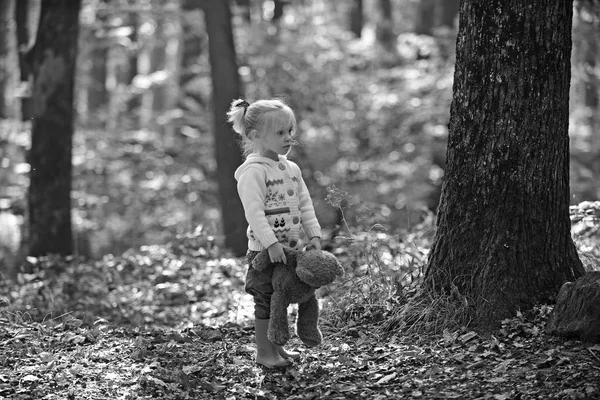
(276, 202)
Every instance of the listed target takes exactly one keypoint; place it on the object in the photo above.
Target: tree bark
(226, 87)
(53, 62)
(10, 106)
(503, 236)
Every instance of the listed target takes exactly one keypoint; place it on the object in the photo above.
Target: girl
(276, 203)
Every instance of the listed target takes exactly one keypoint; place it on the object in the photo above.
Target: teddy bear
(296, 283)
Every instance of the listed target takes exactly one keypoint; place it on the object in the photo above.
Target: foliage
(158, 285)
(136, 188)
(585, 219)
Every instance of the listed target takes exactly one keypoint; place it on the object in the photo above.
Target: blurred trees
(425, 17)
(585, 98)
(10, 107)
(53, 64)
(435, 13)
(385, 30)
(356, 17)
(503, 238)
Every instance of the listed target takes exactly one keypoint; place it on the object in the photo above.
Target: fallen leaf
(386, 378)
(467, 336)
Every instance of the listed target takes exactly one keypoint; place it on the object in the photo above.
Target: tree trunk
(146, 43)
(53, 61)
(226, 87)
(448, 12)
(133, 103)
(97, 92)
(503, 237)
(426, 17)
(278, 6)
(28, 18)
(158, 61)
(385, 25)
(357, 18)
(246, 9)
(10, 107)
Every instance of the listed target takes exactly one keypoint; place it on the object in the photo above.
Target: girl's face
(279, 142)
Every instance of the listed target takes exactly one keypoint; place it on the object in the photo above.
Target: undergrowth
(384, 273)
(193, 280)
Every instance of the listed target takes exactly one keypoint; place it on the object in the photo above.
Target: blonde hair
(263, 116)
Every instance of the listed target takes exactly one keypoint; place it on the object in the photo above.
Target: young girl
(276, 203)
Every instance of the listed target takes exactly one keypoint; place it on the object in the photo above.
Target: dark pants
(258, 284)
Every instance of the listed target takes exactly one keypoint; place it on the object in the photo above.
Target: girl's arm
(307, 212)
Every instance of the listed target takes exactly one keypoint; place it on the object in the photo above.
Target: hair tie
(243, 103)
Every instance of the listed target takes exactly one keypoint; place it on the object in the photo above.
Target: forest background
(371, 90)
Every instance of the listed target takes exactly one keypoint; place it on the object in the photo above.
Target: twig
(594, 354)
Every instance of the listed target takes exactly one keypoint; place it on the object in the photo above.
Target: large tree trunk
(10, 106)
(226, 87)
(53, 61)
(503, 237)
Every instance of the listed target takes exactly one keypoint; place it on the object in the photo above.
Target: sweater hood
(255, 159)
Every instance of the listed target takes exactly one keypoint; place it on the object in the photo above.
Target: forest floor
(180, 328)
(70, 361)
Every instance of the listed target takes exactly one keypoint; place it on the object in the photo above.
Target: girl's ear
(253, 135)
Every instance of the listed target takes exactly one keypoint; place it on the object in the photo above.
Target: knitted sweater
(276, 202)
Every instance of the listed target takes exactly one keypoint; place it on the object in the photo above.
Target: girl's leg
(267, 353)
(258, 284)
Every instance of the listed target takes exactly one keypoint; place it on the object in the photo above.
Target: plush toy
(296, 283)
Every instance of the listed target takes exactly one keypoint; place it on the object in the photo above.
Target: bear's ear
(305, 275)
(261, 261)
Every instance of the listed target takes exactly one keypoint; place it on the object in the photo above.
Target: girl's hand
(276, 253)
(315, 243)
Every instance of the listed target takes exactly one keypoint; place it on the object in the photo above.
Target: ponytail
(236, 115)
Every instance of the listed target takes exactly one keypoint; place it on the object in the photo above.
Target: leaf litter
(163, 323)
